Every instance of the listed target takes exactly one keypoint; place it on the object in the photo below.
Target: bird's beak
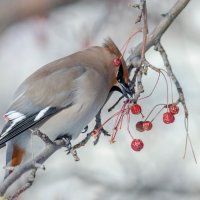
(126, 90)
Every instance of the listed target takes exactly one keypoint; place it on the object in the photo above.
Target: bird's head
(121, 76)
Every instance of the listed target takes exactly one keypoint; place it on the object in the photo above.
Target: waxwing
(62, 97)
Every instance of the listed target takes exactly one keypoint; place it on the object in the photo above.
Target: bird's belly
(72, 120)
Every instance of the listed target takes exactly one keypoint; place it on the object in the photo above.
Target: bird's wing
(43, 94)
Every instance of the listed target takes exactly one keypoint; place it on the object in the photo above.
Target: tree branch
(161, 50)
(181, 99)
(50, 148)
(159, 30)
(134, 61)
(137, 55)
(27, 185)
(39, 159)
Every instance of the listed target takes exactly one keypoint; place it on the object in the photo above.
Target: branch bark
(50, 148)
(159, 30)
(39, 159)
(137, 55)
(133, 60)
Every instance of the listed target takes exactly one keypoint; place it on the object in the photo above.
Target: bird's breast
(91, 94)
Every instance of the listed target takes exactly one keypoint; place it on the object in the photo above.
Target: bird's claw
(68, 144)
(85, 129)
(70, 149)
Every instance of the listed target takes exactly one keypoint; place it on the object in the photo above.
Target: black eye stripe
(120, 74)
(120, 77)
(124, 86)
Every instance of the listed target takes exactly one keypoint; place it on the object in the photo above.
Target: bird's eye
(117, 62)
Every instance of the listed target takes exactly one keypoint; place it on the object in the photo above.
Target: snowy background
(107, 171)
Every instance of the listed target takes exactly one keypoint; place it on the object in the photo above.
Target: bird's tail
(16, 151)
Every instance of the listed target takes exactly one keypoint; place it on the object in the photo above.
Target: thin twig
(139, 73)
(145, 32)
(140, 88)
(159, 30)
(98, 124)
(134, 62)
(74, 154)
(42, 136)
(140, 6)
(115, 104)
(161, 50)
(83, 142)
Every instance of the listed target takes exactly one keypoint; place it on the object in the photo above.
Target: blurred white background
(107, 171)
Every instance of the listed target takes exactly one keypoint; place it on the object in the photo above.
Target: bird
(62, 97)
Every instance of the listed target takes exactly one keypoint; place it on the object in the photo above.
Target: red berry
(168, 118)
(117, 62)
(137, 144)
(136, 109)
(139, 126)
(174, 109)
(147, 125)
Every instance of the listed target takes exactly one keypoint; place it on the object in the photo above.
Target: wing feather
(53, 86)
(40, 97)
(23, 125)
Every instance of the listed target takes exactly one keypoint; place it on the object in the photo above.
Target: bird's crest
(112, 48)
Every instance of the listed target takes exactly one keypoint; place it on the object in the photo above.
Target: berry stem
(128, 123)
(154, 109)
(167, 90)
(98, 129)
(186, 122)
(118, 121)
(171, 86)
(152, 89)
(116, 126)
(128, 40)
(158, 113)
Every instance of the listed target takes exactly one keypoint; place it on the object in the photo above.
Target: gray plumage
(62, 97)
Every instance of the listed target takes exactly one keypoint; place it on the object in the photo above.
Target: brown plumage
(17, 155)
(62, 97)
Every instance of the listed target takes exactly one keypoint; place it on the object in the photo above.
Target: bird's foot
(69, 148)
(68, 145)
(85, 129)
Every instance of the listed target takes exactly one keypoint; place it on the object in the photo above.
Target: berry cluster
(168, 117)
(135, 109)
(141, 126)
